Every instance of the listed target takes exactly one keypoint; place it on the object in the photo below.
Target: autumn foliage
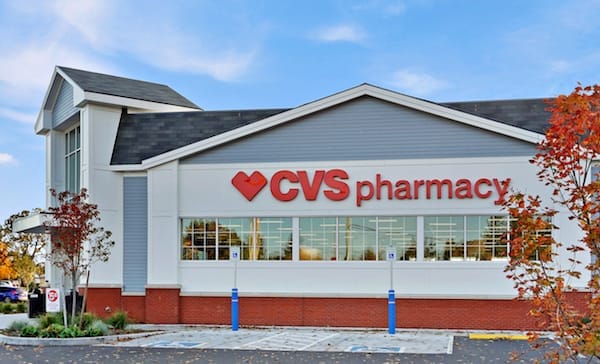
(566, 160)
(77, 240)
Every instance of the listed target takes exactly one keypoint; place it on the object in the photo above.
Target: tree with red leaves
(567, 160)
(77, 242)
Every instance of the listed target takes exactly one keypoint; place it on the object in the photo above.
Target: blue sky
(261, 54)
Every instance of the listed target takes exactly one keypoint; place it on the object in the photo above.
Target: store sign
(336, 185)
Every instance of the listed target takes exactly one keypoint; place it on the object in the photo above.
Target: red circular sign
(52, 295)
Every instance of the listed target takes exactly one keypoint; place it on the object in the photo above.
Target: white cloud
(416, 83)
(340, 33)
(17, 116)
(6, 159)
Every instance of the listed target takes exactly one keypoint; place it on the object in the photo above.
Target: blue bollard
(391, 311)
(234, 309)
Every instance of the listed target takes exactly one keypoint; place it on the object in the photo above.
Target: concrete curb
(36, 341)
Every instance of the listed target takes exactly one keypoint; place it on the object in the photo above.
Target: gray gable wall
(63, 107)
(365, 129)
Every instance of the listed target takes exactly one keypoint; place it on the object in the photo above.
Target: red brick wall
(162, 305)
(101, 298)
(135, 306)
(167, 306)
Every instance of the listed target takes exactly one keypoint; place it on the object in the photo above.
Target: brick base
(166, 305)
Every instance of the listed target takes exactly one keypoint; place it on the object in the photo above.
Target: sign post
(391, 257)
(234, 255)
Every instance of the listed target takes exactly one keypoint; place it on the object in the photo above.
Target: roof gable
(125, 87)
(334, 100)
(92, 87)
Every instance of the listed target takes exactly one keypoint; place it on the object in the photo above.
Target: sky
(283, 53)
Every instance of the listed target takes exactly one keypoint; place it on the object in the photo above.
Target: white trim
(349, 295)
(333, 100)
(92, 97)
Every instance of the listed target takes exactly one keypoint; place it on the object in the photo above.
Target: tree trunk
(85, 292)
(74, 294)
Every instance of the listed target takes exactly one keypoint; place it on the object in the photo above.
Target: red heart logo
(249, 186)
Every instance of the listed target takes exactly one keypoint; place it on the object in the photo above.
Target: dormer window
(73, 160)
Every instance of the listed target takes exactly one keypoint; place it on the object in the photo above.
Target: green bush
(88, 319)
(53, 330)
(29, 331)
(17, 326)
(97, 328)
(118, 320)
(48, 319)
(71, 331)
(21, 307)
(7, 308)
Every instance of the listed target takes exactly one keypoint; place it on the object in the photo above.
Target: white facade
(184, 190)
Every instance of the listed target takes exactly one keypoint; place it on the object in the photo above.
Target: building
(312, 195)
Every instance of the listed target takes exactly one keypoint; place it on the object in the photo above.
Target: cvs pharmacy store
(312, 196)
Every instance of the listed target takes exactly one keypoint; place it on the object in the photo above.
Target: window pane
(318, 238)
(399, 232)
(485, 237)
(236, 232)
(275, 238)
(356, 238)
(444, 238)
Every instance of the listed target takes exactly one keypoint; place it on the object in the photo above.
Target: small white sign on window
(234, 253)
(390, 253)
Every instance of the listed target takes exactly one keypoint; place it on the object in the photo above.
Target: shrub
(54, 330)
(118, 320)
(29, 331)
(17, 326)
(48, 319)
(97, 328)
(6, 308)
(21, 307)
(71, 331)
(88, 319)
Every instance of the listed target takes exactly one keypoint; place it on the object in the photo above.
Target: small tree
(566, 160)
(77, 241)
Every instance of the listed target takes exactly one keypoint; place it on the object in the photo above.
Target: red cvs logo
(249, 186)
(286, 185)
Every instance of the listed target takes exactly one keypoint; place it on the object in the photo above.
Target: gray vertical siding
(135, 234)
(366, 129)
(63, 108)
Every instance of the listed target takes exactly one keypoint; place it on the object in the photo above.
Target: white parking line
(450, 345)
(317, 341)
(263, 339)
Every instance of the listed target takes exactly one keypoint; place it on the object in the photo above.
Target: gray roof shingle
(142, 136)
(126, 87)
(528, 114)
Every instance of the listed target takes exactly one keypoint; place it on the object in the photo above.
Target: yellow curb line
(497, 337)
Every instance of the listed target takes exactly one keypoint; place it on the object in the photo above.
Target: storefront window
(198, 239)
(259, 238)
(351, 238)
(486, 237)
(399, 232)
(318, 238)
(357, 239)
(444, 238)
